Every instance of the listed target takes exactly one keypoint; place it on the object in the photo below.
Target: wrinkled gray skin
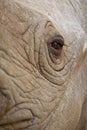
(39, 92)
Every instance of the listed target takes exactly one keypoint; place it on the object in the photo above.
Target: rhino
(43, 65)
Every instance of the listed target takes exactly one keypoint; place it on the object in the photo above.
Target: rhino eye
(55, 45)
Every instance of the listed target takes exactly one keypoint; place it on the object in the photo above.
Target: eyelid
(56, 38)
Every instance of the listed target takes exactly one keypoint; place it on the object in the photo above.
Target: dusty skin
(43, 64)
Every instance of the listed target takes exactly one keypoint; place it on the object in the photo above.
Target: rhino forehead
(67, 16)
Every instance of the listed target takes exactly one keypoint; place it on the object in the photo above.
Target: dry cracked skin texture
(42, 88)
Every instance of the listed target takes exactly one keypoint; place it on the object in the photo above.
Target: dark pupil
(56, 45)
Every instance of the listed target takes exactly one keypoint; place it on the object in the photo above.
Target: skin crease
(38, 90)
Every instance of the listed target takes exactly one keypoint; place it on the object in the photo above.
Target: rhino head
(43, 64)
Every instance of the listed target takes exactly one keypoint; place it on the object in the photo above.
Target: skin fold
(43, 61)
